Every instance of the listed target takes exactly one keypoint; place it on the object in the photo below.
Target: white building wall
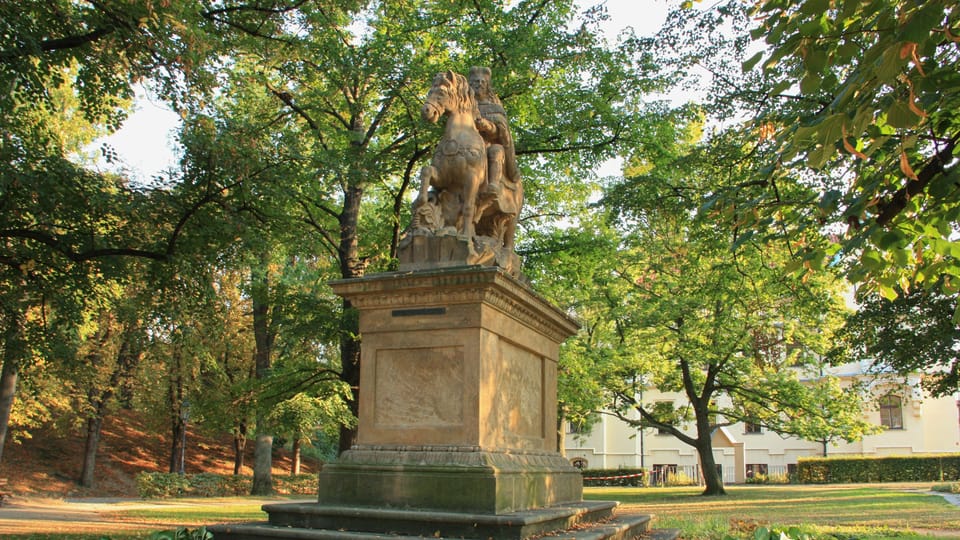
(929, 426)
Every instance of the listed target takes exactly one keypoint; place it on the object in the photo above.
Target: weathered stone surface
(457, 396)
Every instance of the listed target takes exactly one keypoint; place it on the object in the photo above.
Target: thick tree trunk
(13, 347)
(262, 464)
(239, 447)
(350, 372)
(263, 339)
(177, 451)
(295, 469)
(90, 447)
(127, 359)
(708, 468)
(350, 267)
(177, 420)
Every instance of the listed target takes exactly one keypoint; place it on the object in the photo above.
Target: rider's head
(480, 81)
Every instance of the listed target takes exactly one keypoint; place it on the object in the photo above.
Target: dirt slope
(48, 465)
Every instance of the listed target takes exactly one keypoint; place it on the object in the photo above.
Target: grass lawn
(834, 511)
(843, 512)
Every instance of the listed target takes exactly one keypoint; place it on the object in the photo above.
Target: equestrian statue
(470, 194)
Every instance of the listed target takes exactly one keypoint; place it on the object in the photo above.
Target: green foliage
(763, 533)
(927, 468)
(673, 296)
(913, 333)
(947, 488)
(182, 533)
(172, 485)
(853, 108)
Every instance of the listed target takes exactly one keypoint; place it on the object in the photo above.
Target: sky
(145, 142)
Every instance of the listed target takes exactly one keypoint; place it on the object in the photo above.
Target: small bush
(757, 478)
(183, 534)
(947, 488)
(679, 478)
(169, 485)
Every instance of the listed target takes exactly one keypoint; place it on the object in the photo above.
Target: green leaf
(900, 116)
(752, 61)
(814, 7)
(810, 83)
(890, 64)
(890, 239)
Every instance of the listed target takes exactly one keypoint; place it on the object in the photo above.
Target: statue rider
(493, 127)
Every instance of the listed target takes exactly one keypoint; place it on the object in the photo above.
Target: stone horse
(459, 165)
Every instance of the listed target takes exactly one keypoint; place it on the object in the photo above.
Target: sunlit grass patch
(836, 511)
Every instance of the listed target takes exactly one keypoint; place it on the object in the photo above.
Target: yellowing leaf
(905, 167)
(849, 148)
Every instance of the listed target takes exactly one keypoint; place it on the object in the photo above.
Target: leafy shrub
(758, 478)
(183, 534)
(947, 488)
(153, 485)
(839, 470)
(679, 478)
(763, 533)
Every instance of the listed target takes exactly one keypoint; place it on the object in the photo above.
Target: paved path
(19, 515)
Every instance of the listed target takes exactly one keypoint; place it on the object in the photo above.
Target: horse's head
(450, 93)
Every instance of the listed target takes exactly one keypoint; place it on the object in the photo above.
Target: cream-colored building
(915, 425)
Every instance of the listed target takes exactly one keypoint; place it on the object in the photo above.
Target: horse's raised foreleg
(470, 190)
(428, 175)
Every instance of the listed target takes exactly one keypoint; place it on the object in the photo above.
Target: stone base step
(618, 528)
(587, 520)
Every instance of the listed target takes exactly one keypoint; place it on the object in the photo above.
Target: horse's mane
(463, 94)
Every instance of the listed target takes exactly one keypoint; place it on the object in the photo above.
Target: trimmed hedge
(154, 485)
(848, 470)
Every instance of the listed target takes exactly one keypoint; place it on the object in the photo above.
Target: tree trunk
(350, 372)
(13, 349)
(295, 469)
(239, 447)
(262, 464)
(350, 267)
(263, 339)
(90, 447)
(177, 421)
(177, 451)
(127, 359)
(708, 468)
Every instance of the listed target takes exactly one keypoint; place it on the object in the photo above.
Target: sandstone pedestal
(457, 433)
(458, 390)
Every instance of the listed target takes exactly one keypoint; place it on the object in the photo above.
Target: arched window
(891, 411)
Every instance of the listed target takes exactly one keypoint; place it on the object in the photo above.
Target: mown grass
(861, 512)
(829, 512)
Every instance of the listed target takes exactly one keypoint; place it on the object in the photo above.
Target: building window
(755, 469)
(891, 412)
(752, 427)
